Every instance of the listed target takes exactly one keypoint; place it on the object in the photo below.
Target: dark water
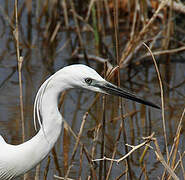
(43, 57)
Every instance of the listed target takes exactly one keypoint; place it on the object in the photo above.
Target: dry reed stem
(116, 33)
(66, 20)
(37, 172)
(93, 173)
(162, 99)
(63, 46)
(56, 162)
(47, 168)
(20, 61)
(55, 32)
(157, 152)
(180, 123)
(87, 26)
(114, 152)
(76, 23)
(169, 51)
(89, 10)
(181, 163)
(122, 174)
(108, 14)
(163, 162)
(154, 40)
(176, 140)
(79, 136)
(68, 171)
(176, 144)
(95, 140)
(169, 26)
(102, 166)
(99, 15)
(81, 164)
(134, 21)
(178, 162)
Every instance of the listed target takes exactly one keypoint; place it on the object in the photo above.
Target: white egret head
(81, 76)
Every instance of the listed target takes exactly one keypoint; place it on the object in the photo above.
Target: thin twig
(134, 148)
(58, 177)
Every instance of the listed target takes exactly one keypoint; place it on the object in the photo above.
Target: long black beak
(114, 90)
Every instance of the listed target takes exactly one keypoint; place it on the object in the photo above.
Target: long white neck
(30, 153)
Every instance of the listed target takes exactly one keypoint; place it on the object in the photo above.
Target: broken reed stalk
(131, 45)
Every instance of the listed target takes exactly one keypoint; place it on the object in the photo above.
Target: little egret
(18, 159)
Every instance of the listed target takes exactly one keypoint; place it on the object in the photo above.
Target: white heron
(18, 159)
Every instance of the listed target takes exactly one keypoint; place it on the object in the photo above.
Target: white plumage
(18, 159)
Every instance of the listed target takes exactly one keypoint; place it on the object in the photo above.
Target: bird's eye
(88, 81)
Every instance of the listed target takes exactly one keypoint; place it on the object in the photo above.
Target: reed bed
(136, 44)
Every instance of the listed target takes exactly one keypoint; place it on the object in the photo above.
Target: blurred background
(102, 34)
